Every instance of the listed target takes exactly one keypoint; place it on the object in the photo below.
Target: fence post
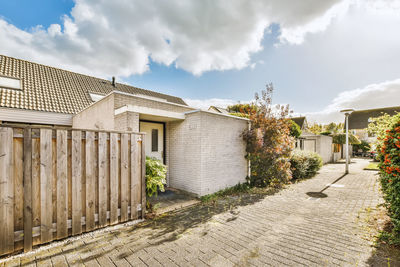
(27, 189)
(76, 162)
(143, 166)
(62, 184)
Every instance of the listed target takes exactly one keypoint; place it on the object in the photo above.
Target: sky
(321, 56)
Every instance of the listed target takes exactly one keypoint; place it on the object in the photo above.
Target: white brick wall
(206, 153)
(223, 150)
(127, 121)
(184, 157)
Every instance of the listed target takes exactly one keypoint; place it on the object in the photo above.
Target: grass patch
(377, 228)
(234, 190)
(240, 190)
(373, 166)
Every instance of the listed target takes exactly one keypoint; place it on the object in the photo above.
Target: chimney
(113, 81)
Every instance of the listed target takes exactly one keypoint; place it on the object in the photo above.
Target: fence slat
(28, 220)
(36, 186)
(103, 175)
(6, 191)
(90, 181)
(52, 187)
(76, 182)
(135, 176)
(62, 184)
(46, 186)
(18, 155)
(143, 174)
(124, 177)
(113, 178)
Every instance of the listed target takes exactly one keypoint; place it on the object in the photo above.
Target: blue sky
(319, 57)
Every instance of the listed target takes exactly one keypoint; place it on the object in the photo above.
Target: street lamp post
(347, 112)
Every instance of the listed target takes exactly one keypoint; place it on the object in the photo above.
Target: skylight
(96, 97)
(11, 83)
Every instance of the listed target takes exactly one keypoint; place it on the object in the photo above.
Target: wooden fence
(56, 183)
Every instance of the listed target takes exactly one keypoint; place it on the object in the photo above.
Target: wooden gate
(56, 183)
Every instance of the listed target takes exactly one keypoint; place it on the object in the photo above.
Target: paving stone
(285, 229)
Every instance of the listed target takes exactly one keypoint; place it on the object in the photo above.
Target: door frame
(164, 136)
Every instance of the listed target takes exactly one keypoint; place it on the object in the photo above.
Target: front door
(154, 139)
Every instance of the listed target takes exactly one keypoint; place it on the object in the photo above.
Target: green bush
(295, 130)
(156, 173)
(327, 133)
(304, 164)
(390, 177)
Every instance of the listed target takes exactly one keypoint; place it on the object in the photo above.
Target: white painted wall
(98, 116)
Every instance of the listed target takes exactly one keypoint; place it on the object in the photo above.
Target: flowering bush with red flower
(269, 142)
(390, 174)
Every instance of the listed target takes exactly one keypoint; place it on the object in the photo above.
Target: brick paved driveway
(287, 228)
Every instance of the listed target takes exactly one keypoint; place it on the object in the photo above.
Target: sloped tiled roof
(51, 89)
(218, 109)
(359, 119)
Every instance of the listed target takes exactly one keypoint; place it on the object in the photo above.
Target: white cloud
(118, 37)
(204, 104)
(385, 94)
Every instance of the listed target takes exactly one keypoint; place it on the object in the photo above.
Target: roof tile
(56, 90)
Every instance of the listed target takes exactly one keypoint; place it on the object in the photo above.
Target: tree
(341, 139)
(364, 146)
(378, 127)
(333, 127)
(315, 128)
(268, 141)
(295, 130)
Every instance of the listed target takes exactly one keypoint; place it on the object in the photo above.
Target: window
(12, 83)
(154, 140)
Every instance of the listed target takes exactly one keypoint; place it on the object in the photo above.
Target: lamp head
(347, 111)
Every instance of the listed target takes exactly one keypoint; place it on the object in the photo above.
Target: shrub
(304, 164)
(156, 173)
(390, 175)
(268, 142)
(327, 133)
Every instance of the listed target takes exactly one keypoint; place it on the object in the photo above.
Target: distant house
(218, 110)
(301, 121)
(203, 150)
(359, 120)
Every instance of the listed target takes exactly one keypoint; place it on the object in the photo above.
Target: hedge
(304, 164)
(390, 176)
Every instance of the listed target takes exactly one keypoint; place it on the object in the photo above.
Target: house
(203, 150)
(321, 144)
(218, 110)
(301, 121)
(359, 120)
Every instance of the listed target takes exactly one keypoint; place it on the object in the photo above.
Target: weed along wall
(56, 183)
